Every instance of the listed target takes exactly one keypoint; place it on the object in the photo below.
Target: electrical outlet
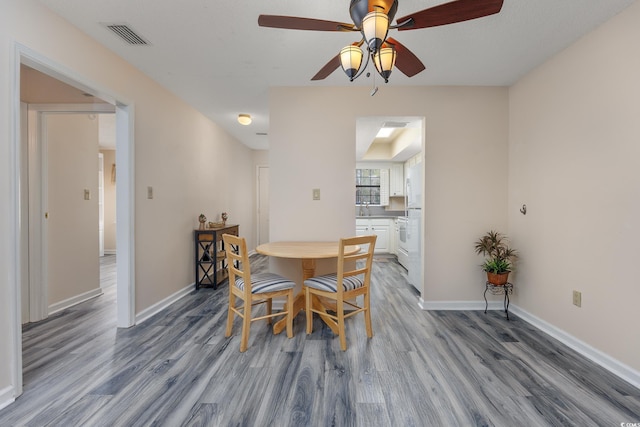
(87, 194)
(149, 192)
(316, 194)
(577, 298)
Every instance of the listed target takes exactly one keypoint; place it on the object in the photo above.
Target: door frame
(258, 198)
(125, 212)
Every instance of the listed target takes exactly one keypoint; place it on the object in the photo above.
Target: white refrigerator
(414, 226)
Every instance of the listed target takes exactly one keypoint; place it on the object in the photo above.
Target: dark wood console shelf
(210, 255)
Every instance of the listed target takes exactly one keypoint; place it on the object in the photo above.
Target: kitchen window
(368, 186)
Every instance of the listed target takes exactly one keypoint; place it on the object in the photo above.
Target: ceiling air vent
(394, 124)
(127, 34)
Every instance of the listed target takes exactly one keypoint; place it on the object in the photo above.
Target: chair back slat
(237, 260)
(348, 264)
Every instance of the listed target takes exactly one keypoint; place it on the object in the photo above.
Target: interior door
(263, 204)
(71, 202)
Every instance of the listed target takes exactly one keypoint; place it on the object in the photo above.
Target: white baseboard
(6, 397)
(161, 305)
(609, 363)
(59, 306)
(459, 305)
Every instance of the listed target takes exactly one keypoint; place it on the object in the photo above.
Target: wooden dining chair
(253, 290)
(352, 279)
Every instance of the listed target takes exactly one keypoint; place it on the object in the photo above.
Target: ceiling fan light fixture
(375, 27)
(244, 119)
(351, 60)
(384, 60)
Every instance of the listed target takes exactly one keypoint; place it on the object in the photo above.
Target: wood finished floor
(439, 368)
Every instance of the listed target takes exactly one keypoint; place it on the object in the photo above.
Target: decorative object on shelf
(202, 219)
(218, 224)
(224, 217)
(500, 257)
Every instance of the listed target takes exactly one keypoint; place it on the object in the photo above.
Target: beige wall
(312, 140)
(109, 158)
(193, 165)
(574, 156)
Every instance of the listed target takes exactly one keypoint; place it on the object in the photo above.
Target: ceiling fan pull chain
(374, 90)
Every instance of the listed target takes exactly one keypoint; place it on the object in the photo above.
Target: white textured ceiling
(212, 53)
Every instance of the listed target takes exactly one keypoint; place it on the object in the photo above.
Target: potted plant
(500, 257)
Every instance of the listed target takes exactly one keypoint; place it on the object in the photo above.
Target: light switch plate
(577, 298)
(87, 194)
(149, 192)
(316, 194)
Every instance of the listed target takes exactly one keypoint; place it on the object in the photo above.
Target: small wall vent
(394, 124)
(127, 34)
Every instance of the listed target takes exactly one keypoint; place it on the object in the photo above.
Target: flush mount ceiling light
(244, 119)
(373, 19)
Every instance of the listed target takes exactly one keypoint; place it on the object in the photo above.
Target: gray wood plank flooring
(439, 368)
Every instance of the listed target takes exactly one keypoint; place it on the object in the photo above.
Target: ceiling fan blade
(329, 68)
(450, 13)
(296, 23)
(406, 61)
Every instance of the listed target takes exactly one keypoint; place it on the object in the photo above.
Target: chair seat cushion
(266, 282)
(329, 282)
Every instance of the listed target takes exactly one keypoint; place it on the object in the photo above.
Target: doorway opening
(389, 182)
(29, 238)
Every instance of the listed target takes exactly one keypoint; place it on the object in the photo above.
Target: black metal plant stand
(506, 290)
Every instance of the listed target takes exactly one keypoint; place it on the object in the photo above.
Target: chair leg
(232, 302)
(367, 315)
(307, 309)
(269, 307)
(290, 314)
(246, 324)
(341, 331)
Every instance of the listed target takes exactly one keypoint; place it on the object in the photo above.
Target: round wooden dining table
(308, 253)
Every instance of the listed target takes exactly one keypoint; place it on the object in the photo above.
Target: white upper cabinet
(396, 180)
(384, 187)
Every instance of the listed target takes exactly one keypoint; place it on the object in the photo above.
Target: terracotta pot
(498, 279)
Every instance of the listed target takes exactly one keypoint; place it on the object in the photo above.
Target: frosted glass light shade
(375, 27)
(384, 61)
(351, 60)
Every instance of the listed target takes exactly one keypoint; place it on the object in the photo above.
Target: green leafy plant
(500, 256)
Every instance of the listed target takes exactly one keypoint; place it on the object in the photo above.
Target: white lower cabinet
(381, 227)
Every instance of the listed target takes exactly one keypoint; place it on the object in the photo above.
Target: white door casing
(101, 203)
(263, 204)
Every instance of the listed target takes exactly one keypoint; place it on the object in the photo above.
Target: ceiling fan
(373, 19)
